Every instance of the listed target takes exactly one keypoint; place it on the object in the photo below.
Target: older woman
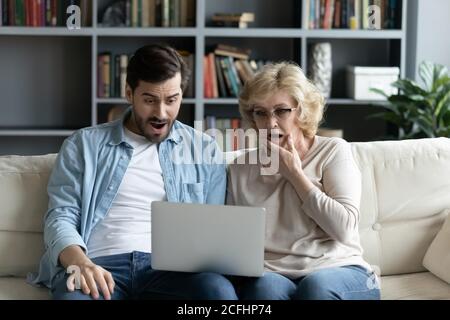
(312, 248)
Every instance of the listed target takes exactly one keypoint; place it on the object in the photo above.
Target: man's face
(155, 107)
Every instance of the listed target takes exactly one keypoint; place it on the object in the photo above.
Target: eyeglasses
(280, 114)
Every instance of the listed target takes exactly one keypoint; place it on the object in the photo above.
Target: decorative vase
(321, 67)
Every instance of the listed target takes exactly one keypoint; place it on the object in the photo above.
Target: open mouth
(158, 125)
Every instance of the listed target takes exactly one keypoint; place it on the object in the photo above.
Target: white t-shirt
(127, 225)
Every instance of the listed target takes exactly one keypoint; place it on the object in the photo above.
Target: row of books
(150, 13)
(112, 74)
(41, 13)
(226, 70)
(226, 135)
(352, 14)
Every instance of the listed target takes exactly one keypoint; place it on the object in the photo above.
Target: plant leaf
(426, 72)
(409, 87)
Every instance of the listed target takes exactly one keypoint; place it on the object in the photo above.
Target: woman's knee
(335, 284)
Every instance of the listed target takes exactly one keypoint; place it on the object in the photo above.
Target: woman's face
(277, 114)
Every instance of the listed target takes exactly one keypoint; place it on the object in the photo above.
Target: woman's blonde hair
(289, 77)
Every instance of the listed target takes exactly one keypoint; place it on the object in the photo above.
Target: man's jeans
(135, 279)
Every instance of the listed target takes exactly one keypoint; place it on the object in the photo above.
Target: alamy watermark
(73, 22)
(74, 280)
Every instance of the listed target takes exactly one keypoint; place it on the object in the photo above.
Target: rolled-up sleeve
(62, 221)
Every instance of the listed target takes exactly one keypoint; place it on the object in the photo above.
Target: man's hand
(93, 278)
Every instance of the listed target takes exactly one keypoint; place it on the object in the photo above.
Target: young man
(104, 180)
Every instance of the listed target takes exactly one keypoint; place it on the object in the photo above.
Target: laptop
(223, 239)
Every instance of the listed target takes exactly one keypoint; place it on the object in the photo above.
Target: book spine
(220, 78)
(139, 13)
(226, 76)
(152, 13)
(145, 13)
(4, 12)
(123, 74)
(100, 82)
(206, 78)
(134, 13)
(107, 75)
(212, 66)
(112, 77)
(165, 13)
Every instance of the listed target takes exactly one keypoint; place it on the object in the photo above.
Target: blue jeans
(135, 279)
(340, 283)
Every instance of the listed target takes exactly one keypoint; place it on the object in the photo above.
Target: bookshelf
(48, 78)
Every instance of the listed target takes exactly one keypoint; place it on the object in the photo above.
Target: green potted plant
(420, 111)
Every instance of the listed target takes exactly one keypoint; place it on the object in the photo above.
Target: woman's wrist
(301, 183)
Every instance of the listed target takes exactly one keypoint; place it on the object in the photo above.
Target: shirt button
(376, 227)
(110, 188)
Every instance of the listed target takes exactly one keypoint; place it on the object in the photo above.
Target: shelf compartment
(359, 128)
(364, 52)
(283, 14)
(34, 81)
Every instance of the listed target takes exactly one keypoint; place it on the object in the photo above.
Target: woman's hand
(290, 166)
(289, 162)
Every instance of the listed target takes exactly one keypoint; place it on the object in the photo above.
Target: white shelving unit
(66, 95)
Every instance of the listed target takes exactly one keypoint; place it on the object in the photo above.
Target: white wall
(428, 33)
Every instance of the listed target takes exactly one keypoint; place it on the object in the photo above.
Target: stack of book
(41, 13)
(112, 74)
(226, 70)
(351, 14)
(156, 13)
(240, 20)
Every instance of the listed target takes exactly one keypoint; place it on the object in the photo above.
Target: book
(240, 20)
(220, 79)
(231, 51)
(123, 74)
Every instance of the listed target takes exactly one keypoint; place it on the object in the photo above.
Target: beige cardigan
(321, 232)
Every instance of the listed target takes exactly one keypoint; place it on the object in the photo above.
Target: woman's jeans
(135, 279)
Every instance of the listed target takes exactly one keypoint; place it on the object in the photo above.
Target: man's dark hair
(156, 63)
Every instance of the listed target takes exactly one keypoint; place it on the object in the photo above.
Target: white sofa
(406, 189)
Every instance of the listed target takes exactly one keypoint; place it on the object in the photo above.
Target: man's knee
(271, 286)
(213, 286)
(59, 290)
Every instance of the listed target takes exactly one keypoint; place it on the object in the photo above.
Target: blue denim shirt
(89, 169)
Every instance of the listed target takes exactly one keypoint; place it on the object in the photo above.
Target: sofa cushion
(405, 187)
(18, 289)
(24, 201)
(437, 258)
(414, 286)
(23, 191)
